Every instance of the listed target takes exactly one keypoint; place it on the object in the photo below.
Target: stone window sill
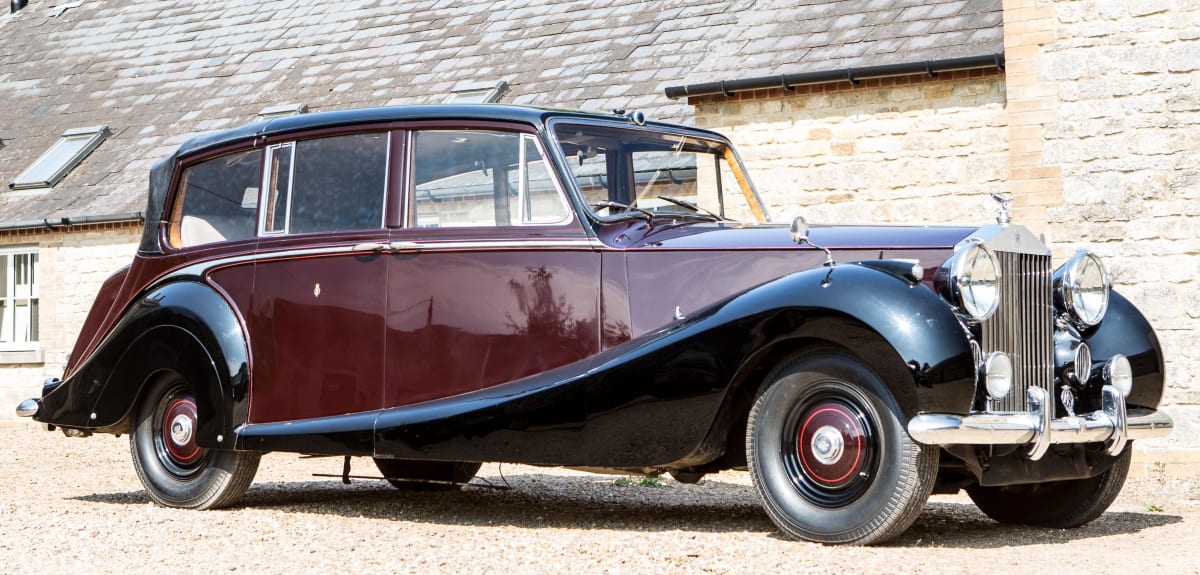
(32, 356)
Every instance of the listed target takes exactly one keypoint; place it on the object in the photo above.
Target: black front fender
(900, 327)
(1126, 331)
(185, 326)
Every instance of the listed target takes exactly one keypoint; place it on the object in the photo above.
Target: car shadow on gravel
(533, 501)
(573, 502)
(962, 525)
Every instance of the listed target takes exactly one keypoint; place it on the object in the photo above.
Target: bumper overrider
(1112, 424)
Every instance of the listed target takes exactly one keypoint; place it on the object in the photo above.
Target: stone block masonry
(71, 266)
(912, 149)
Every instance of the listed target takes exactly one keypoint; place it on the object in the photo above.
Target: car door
(493, 278)
(316, 318)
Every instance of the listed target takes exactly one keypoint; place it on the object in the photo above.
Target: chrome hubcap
(181, 430)
(827, 445)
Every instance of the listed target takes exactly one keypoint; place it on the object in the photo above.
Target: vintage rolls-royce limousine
(434, 287)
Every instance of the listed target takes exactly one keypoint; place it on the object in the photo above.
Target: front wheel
(829, 455)
(175, 471)
(1055, 504)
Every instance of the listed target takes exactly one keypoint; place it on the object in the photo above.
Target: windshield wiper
(691, 206)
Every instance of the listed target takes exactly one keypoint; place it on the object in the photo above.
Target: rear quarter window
(217, 200)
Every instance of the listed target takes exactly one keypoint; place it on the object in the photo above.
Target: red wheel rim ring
(181, 410)
(819, 422)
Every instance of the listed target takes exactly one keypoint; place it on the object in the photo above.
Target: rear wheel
(1055, 504)
(829, 455)
(414, 475)
(175, 471)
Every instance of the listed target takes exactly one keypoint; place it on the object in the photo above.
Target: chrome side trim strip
(203, 267)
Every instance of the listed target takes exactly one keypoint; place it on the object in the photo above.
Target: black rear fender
(186, 327)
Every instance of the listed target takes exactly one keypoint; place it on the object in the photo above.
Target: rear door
(317, 308)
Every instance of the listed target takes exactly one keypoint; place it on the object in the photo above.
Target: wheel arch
(184, 326)
(907, 334)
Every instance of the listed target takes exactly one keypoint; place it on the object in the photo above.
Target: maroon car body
(439, 286)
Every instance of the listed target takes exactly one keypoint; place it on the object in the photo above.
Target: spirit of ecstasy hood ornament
(1004, 200)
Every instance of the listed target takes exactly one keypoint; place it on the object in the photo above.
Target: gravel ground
(75, 506)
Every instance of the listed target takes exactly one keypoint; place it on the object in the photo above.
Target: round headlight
(1081, 288)
(972, 278)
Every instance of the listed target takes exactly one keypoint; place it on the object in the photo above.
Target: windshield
(628, 170)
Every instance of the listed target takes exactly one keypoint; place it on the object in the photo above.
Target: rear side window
(325, 184)
(217, 200)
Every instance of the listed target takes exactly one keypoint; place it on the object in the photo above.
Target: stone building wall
(909, 149)
(1125, 134)
(71, 266)
(1094, 128)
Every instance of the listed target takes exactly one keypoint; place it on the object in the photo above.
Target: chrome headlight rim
(1118, 372)
(959, 279)
(1070, 292)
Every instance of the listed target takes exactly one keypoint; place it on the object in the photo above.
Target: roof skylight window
(74, 145)
(477, 93)
(282, 110)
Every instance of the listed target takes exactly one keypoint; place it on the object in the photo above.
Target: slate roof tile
(161, 71)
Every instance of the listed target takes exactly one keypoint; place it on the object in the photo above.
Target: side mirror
(799, 230)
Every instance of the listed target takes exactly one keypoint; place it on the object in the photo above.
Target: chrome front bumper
(1111, 425)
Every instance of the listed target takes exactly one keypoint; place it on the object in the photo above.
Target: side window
(474, 178)
(217, 200)
(325, 184)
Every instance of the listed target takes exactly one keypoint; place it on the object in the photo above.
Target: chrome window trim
(523, 183)
(387, 177)
(265, 191)
(409, 194)
(202, 268)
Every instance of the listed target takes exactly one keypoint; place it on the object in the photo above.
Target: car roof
(162, 174)
(336, 118)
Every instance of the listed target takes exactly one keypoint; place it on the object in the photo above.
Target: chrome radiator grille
(1023, 326)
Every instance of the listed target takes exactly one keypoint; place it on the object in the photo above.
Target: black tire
(414, 475)
(1055, 504)
(829, 454)
(174, 470)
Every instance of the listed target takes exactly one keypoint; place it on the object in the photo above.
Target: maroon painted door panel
(661, 282)
(464, 320)
(317, 333)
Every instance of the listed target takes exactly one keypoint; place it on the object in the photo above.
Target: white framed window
(18, 299)
(70, 149)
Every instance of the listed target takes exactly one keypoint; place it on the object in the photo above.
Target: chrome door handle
(402, 246)
(371, 247)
